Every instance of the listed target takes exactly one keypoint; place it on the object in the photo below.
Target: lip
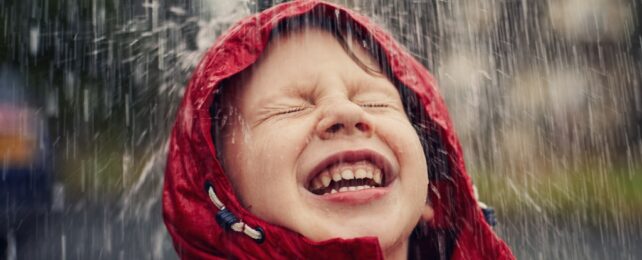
(352, 156)
(356, 197)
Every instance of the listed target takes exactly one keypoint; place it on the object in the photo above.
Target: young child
(306, 132)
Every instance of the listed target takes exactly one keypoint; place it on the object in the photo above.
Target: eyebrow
(292, 89)
(373, 83)
(308, 89)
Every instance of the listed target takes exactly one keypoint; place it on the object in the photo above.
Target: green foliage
(595, 194)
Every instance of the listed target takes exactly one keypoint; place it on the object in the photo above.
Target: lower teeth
(351, 188)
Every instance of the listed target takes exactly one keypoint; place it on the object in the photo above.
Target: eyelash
(297, 109)
(291, 110)
(375, 105)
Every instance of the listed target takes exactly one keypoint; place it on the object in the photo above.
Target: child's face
(308, 113)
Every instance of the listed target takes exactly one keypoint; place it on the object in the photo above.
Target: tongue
(351, 183)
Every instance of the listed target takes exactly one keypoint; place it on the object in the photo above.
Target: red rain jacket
(189, 213)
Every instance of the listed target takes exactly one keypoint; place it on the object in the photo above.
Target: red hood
(190, 215)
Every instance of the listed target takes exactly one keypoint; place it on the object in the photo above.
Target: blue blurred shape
(25, 174)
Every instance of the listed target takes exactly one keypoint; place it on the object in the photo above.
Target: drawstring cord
(489, 212)
(228, 220)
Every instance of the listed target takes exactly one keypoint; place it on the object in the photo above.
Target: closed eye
(375, 105)
(291, 110)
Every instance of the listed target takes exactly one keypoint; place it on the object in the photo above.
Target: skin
(305, 100)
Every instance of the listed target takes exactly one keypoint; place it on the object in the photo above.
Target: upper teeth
(365, 171)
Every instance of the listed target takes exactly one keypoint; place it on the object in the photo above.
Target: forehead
(301, 57)
(316, 44)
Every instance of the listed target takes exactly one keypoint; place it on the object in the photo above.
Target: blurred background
(545, 96)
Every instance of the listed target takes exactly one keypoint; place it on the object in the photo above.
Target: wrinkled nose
(344, 118)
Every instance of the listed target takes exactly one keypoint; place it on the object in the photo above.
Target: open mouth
(350, 171)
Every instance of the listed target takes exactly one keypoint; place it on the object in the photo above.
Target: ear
(427, 214)
(421, 230)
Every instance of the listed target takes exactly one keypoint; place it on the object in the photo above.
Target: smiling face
(322, 147)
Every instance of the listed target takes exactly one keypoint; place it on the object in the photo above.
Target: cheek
(262, 165)
(271, 184)
(402, 138)
(279, 147)
(404, 141)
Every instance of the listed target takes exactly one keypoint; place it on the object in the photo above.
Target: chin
(389, 233)
(389, 238)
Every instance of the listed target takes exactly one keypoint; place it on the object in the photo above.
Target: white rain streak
(545, 98)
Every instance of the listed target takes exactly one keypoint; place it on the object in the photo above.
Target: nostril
(362, 127)
(335, 128)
